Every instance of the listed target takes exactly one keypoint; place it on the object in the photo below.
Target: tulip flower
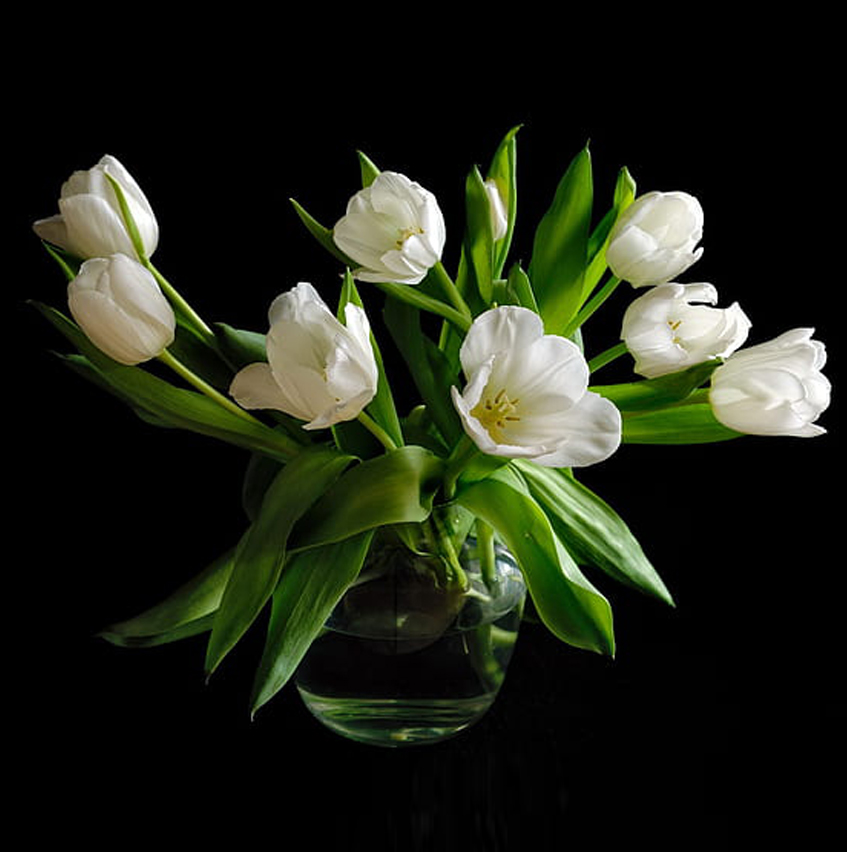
(121, 309)
(775, 388)
(665, 332)
(499, 218)
(393, 229)
(90, 224)
(655, 238)
(527, 396)
(318, 370)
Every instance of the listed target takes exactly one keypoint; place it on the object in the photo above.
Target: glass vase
(406, 658)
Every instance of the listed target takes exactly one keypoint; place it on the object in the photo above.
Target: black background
(721, 718)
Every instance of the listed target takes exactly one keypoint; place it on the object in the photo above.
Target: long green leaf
(311, 585)
(684, 424)
(164, 403)
(321, 233)
(649, 394)
(397, 487)
(479, 240)
(185, 612)
(430, 368)
(567, 603)
(560, 247)
(261, 553)
(591, 529)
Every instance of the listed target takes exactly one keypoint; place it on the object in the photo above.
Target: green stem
(592, 305)
(181, 306)
(377, 431)
(192, 378)
(485, 548)
(412, 296)
(607, 357)
(449, 289)
(463, 453)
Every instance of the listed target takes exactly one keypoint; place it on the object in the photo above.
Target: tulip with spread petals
(665, 332)
(527, 396)
(121, 309)
(90, 223)
(393, 229)
(774, 388)
(318, 370)
(655, 238)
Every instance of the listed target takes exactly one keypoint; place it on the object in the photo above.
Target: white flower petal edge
(318, 369)
(665, 332)
(774, 388)
(527, 395)
(394, 229)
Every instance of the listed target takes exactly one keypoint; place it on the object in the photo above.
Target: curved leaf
(591, 529)
(560, 247)
(397, 487)
(185, 612)
(261, 553)
(649, 394)
(567, 603)
(311, 585)
(503, 171)
(683, 424)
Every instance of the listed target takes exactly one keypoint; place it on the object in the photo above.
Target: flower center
(675, 324)
(405, 233)
(495, 413)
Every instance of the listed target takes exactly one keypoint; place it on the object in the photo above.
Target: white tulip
(527, 394)
(318, 370)
(665, 332)
(121, 309)
(655, 238)
(499, 217)
(90, 223)
(775, 388)
(394, 229)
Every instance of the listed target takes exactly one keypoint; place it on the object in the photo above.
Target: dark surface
(721, 718)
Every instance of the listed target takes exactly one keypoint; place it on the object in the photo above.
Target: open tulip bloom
(506, 407)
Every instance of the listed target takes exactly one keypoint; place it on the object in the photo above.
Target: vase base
(392, 722)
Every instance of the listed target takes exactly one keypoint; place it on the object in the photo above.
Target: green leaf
(479, 241)
(68, 263)
(322, 234)
(368, 169)
(560, 247)
(381, 408)
(520, 286)
(241, 347)
(571, 608)
(187, 611)
(261, 553)
(160, 402)
(311, 585)
(431, 370)
(683, 424)
(503, 171)
(660, 392)
(591, 530)
(623, 197)
(397, 487)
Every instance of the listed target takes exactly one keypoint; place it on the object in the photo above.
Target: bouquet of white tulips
(508, 406)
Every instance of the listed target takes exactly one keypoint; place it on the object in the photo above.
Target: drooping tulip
(665, 331)
(319, 370)
(90, 223)
(121, 309)
(526, 394)
(774, 388)
(655, 238)
(393, 229)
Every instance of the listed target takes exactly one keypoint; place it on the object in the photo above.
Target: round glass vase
(406, 659)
